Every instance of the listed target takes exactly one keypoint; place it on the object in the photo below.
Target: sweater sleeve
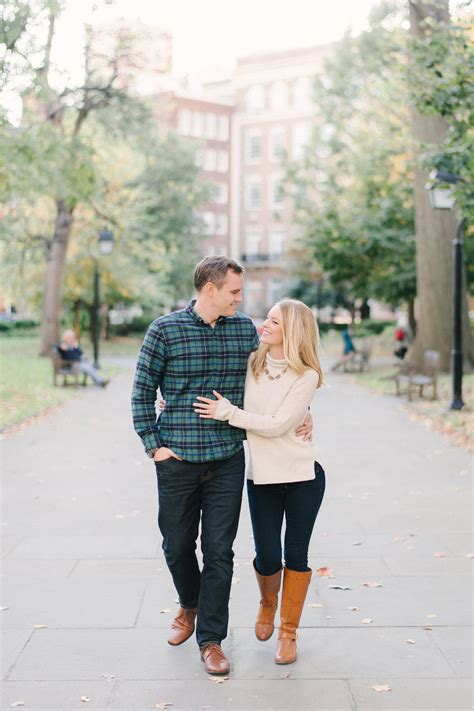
(291, 412)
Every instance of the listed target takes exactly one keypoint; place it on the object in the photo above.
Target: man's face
(227, 298)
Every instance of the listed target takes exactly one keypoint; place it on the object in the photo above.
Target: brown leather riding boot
(295, 587)
(269, 586)
(182, 626)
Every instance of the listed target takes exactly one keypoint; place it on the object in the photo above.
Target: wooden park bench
(360, 359)
(65, 369)
(410, 380)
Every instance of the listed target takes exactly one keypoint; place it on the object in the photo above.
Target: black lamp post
(106, 245)
(442, 197)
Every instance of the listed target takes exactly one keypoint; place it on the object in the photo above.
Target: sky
(208, 37)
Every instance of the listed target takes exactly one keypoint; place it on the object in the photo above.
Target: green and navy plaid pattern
(183, 357)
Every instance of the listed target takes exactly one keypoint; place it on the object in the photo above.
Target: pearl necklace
(274, 377)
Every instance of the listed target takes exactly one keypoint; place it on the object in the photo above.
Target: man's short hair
(214, 269)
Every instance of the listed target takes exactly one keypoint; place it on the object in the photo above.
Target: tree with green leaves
(352, 191)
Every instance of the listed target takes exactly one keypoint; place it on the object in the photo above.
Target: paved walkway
(89, 598)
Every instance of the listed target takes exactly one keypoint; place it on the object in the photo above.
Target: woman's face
(272, 333)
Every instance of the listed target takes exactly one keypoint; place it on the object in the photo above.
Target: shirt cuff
(150, 441)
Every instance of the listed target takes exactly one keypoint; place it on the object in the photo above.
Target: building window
(223, 128)
(255, 297)
(221, 223)
(254, 147)
(256, 98)
(279, 95)
(222, 161)
(277, 239)
(274, 292)
(220, 193)
(277, 193)
(209, 222)
(210, 158)
(301, 139)
(302, 93)
(277, 144)
(211, 126)
(184, 122)
(253, 243)
(253, 194)
(198, 124)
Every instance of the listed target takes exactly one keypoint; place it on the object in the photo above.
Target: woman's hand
(306, 429)
(206, 408)
(161, 405)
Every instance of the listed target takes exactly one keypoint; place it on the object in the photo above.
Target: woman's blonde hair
(300, 340)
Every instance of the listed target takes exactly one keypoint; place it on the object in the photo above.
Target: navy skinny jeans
(298, 502)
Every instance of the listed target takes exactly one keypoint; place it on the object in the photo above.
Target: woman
(284, 479)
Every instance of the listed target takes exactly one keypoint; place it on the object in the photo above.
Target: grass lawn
(26, 382)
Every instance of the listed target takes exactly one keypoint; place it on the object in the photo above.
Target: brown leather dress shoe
(182, 626)
(215, 661)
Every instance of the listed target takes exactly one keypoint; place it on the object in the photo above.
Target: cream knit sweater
(272, 411)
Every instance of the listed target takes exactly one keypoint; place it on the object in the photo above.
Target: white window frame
(249, 185)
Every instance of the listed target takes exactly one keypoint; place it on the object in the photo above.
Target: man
(69, 351)
(199, 463)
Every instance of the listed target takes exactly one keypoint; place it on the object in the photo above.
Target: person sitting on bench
(69, 351)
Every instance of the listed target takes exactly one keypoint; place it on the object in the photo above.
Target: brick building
(208, 123)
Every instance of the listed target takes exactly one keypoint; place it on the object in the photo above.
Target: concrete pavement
(89, 598)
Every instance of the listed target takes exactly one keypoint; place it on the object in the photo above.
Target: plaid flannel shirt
(183, 357)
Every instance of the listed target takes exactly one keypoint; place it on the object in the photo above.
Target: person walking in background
(285, 479)
(401, 339)
(348, 351)
(69, 351)
(199, 465)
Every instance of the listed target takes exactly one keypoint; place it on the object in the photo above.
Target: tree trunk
(411, 316)
(364, 310)
(435, 229)
(53, 278)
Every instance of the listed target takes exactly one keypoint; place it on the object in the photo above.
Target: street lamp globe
(106, 241)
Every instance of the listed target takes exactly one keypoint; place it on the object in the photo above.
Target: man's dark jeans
(211, 493)
(299, 503)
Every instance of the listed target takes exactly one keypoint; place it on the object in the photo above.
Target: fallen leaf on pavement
(17, 703)
(165, 610)
(357, 543)
(3, 608)
(40, 627)
(428, 627)
(381, 687)
(85, 699)
(410, 641)
(353, 609)
(325, 572)
(108, 676)
(372, 585)
(218, 679)
(339, 587)
(285, 676)
(163, 705)
(367, 621)
(440, 554)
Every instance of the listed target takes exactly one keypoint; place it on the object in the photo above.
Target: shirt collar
(194, 314)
